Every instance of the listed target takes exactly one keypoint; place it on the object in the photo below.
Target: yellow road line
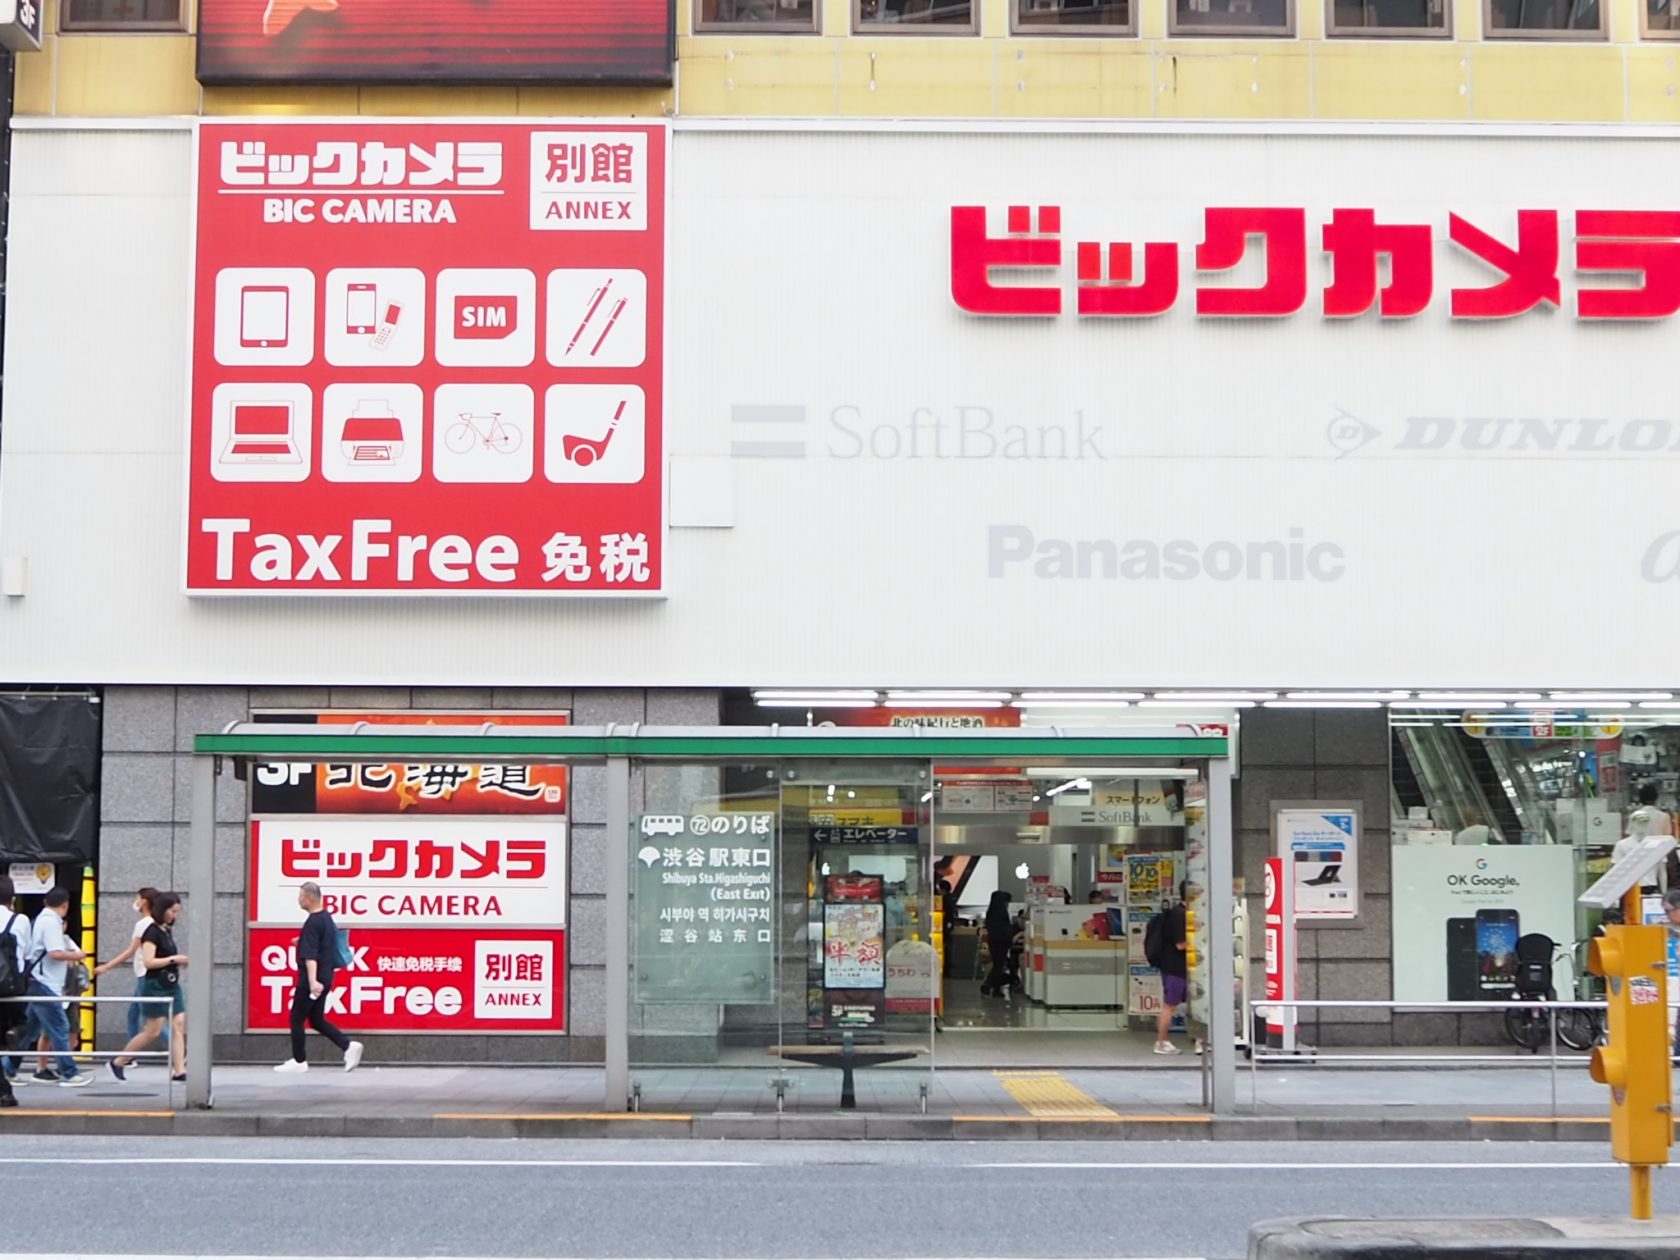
(621, 1116)
(23, 1113)
(1049, 1095)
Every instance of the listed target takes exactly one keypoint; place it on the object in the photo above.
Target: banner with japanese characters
(444, 788)
(407, 981)
(705, 889)
(427, 358)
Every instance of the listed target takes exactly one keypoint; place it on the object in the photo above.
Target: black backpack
(14, 980)
(1155, 940)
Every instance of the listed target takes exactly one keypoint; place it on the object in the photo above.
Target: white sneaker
(1166, 1047)
(292, 1065)
(352, 1056)
(76, 1081)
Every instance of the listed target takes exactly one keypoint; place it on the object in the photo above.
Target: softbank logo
(1016, 551)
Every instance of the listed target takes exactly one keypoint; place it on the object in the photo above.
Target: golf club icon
(585, 451)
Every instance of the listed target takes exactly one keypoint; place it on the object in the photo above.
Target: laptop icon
(261, 433)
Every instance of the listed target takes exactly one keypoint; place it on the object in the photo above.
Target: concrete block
(138, 719)
(1348, 1034)
(303, 699)
(586, 1013)
(1259, 788)
(231, 794)
(1354, 981)
(1339, 1129)
(137, 787)
(1371, 939)
(829, 1128)
(589, 860)
(672, 707)
(1365, 786)
(599, 706)
(735, 1128)
(1252, 1128)
(227, 1000)
(1376, 862)
(917, 1128)
(135, 855)
(1351, 737)
(369, 699)
(456, 700)
(1425, 1028)
(586, 932)
(229, 938)
(205, 711)
(232, 853)
(302, 1126)
(552, 699)
(1252, 849)
(589, 795)
(1601, 1238)
(1277, 737)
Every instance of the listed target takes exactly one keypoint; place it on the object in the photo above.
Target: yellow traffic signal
(1190, 935)
(1634, 1062)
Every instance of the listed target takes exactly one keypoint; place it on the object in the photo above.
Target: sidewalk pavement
(1304, 1102)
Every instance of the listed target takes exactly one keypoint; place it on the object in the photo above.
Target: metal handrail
(1551, 1006)
(23, 1053)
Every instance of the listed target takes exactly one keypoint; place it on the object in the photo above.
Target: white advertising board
(1459, 911)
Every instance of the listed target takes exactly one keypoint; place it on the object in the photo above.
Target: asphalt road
(698, 1201)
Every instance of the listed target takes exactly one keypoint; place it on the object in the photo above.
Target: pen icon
(594, 305)
(618, 310)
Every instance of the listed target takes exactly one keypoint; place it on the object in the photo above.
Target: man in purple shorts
(1173, 965)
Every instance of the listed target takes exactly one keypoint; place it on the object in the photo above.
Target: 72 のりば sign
(428, 358)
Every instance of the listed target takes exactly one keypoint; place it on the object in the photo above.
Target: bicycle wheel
(459, 437)
(1577, 1030)
(1526, 1027)
(506, 439)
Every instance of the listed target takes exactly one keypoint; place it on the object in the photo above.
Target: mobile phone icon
(387, 325)
(1496, 952)
(1461, 960)
(264, 315)
(361, 303)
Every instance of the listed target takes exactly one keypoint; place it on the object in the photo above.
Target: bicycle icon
(472, 430)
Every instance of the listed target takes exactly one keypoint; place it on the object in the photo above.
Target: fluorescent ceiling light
(936, 694)
(1215, 703)
(815, 696)
(1216, 696)
(816, 704)
(1346, 695)
(1553, 705)
(1069, 704)
(1593, 697)
(1322, 704)
(1480, 702)
(1081, 784)
(944, 704)
(1659, 704)
(1081, 695)
(1476, 697)
(1127, 772)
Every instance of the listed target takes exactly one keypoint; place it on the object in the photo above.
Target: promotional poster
(1459, 912)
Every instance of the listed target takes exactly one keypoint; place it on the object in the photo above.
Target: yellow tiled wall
(990, 75)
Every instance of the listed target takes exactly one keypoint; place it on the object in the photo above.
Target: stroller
(1531, 1026)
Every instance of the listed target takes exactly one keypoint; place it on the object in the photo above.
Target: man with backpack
(50, 955)
(1164, 944)
(14, 978)
(317, 957)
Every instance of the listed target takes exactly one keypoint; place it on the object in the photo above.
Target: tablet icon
(265, 315)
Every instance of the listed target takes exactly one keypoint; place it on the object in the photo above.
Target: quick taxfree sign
(427, 359)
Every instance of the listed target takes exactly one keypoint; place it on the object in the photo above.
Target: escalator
(1455, 775)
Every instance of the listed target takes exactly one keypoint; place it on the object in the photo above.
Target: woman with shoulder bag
(163, 965)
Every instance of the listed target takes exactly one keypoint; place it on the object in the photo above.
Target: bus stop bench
(847, 1056)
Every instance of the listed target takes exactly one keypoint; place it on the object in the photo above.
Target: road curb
(1189, 1127)
(1474, 1238)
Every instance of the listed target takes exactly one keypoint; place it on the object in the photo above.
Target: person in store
(1174, 966)
(1474, 831)
(1671, 908)
(1000, 938)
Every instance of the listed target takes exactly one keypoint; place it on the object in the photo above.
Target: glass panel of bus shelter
(859, 970)
(707, 926)
(1078, 864)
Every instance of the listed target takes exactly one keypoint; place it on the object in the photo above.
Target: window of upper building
(1375, 18)
(122, 15)
(1544, 19)
(768, 17)
(1073, 17)
(916, 17)
(1661, 19)
(1232, 17)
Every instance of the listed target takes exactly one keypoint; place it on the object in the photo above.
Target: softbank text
(960, 432)
(1016, 551)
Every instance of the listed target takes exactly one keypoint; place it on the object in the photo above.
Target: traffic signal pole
(1633, 913)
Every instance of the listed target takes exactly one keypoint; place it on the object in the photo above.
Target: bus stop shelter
(620, 748)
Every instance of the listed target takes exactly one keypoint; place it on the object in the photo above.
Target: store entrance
(1078, 862)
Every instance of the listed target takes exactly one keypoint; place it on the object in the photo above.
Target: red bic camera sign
(427, 359)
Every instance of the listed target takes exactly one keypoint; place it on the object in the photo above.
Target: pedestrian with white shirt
(50, 954)
(163, 962)
(138, 1012)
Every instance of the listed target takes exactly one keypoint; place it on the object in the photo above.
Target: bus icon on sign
(484, 318)
(662, 825)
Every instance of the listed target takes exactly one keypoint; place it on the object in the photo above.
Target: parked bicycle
(1531, 1026)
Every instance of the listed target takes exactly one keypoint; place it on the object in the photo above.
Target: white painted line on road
(179, 1255)
(1142, 1166)
(373, 1162)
